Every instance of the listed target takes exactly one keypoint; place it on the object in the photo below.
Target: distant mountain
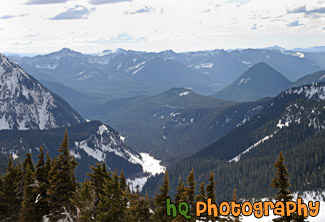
(259, 81)
(316, 77)
(168, 72)
(228, 66)
(90, 143)
(175, 123)
(311, 49)
(127, 73)
(293, 122)
(26, 104)
(80, 101)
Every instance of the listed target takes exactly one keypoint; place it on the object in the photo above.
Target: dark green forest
(49, 189)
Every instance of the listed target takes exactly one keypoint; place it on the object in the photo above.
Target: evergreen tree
(232, 218)
(48, 165)
(161, 202)
(3, 209)
(62, 184)
(201, 196)
(12, 202)
(281, 182)
(84, 200)
(180, 197)
(28, 211)
(41, 175)
(111, 204)
(98, 176)
(139, 209)
(28, 161)
(210, 189)
(190, 194)
(210, 194)
(123, 182)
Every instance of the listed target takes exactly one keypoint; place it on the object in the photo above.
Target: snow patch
(185, 93)
(206, 65)
(243, 81)
(151, 166)
(237, 158)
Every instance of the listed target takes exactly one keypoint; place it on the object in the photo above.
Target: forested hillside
(293, 122)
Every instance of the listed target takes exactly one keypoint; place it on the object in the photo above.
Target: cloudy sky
(42, 26)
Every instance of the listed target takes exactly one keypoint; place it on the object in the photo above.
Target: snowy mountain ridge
(103, 142)
(26, 104)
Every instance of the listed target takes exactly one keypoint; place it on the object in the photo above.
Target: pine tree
(28, 161)
(111, 204)
(180, 197)
(161, 202)
(12, 201)
(41, 174)
(98, 176)
(123, 182)
(28, 211)
(62, 184)
(201, 196)
(210, 194)
(190, 194)
(84, 200)
(48, 165)
(139, 209)
(281, 182)
(3, 209)
(210, 189)
(232, 218)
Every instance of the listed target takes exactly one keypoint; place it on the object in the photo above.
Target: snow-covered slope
(90, 143)
(102, 143)
(26, 104)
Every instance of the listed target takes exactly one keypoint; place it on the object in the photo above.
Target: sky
(90, 26)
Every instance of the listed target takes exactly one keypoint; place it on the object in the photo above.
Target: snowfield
(151, 166)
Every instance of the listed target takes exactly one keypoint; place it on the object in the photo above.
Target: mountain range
(127, 73)
(151, 99)
(32, 116)
(292, 122)
(175, 123)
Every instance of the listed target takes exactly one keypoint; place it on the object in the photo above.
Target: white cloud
(77, 12)
(101, 2)
(181, 25)
(42, 2)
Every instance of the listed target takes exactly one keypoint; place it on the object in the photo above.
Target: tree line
(29, 193)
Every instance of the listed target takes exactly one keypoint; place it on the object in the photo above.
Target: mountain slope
(90, 143)
(261, 80)
(26, 104)
(168, 72)
(80, 101)
(311, 78)
(294, 122)
(175, 123)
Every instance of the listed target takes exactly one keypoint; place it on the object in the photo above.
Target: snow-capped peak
(26, 104)
(104, 142)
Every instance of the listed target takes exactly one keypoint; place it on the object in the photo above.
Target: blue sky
(89, 26)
